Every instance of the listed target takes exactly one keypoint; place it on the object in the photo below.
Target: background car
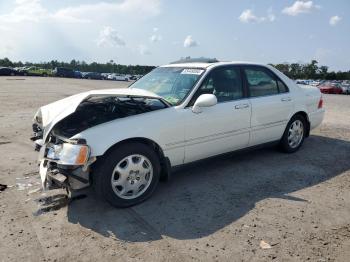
(314, 83)
(132, 77)
(118, 77)
(105, 75)
(330, 88)
(78, 74)
(301, 82)
(346, 88)
(37, 71)
(63, 72)
(21, 71)
(7, 71)
(92, 75)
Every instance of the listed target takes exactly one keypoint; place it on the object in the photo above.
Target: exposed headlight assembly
(69, 154)
(38, 118)
(37, 128)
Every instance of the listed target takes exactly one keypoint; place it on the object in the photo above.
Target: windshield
(171, 83)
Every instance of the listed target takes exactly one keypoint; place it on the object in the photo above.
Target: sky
(156, 32)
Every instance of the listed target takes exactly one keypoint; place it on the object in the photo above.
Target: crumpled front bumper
(55, 175)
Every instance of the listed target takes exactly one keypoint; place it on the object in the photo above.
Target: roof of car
(206, 65)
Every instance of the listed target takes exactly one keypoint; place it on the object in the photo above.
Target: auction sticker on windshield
(192, 71)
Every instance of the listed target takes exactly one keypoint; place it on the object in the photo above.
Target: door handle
(285, 99)
(241, 106)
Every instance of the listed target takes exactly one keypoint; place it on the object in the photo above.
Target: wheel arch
(164, 161)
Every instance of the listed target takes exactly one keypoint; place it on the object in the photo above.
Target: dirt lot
(216, 210)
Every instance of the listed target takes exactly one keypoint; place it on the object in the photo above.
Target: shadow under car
(204, 197)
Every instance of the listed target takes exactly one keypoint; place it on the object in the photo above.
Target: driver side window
(225, 83)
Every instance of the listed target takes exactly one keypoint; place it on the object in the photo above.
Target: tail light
(320, 103)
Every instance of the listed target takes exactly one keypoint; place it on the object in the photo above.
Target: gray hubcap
(132, 176)
(295, 133)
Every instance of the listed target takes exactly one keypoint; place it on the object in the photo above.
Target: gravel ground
(218, 210)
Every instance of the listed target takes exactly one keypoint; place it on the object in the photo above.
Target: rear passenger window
(260, 83)
(282, 87)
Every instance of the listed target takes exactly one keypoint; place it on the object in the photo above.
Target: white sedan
(123, 141)
(118, 77)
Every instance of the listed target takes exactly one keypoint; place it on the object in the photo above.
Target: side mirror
(204, 100)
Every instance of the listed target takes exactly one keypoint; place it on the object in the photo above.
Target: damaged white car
(123, 141)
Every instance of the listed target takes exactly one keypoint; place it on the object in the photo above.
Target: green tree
(284, 68)
(295, 70)
(323, 71)
(310, 70)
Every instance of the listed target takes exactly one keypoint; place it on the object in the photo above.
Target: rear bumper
(316, 118)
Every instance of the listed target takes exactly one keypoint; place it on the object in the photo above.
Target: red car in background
(330, 88)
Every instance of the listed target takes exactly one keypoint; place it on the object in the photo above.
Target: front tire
(128, 175)
(294, 135)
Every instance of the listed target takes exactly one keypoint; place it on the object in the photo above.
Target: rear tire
(120, 171)
(294, 135)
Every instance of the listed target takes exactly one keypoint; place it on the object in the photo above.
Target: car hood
(53, 113)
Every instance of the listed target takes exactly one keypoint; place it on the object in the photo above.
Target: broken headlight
(38, 118)
(37, 128)
(68, 154)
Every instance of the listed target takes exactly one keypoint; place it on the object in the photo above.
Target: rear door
(223, 127)
(271, 102)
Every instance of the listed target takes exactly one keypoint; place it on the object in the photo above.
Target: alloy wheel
(132, 176)
(295, 133)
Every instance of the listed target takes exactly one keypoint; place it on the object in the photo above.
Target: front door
(223, 127)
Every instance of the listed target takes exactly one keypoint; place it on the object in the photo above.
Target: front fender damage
(93, 110)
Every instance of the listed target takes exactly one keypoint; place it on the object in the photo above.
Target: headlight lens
(69, 154)
(38, 117)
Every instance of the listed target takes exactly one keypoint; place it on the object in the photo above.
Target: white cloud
(4, 28)
(110, 37)
(299, 7)
(33, 11)
(155, 38)
(143, 50)
(270, 16)
(25, 10)
(248, 16)
(136, 8)
(334, 20)
(190, 42)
